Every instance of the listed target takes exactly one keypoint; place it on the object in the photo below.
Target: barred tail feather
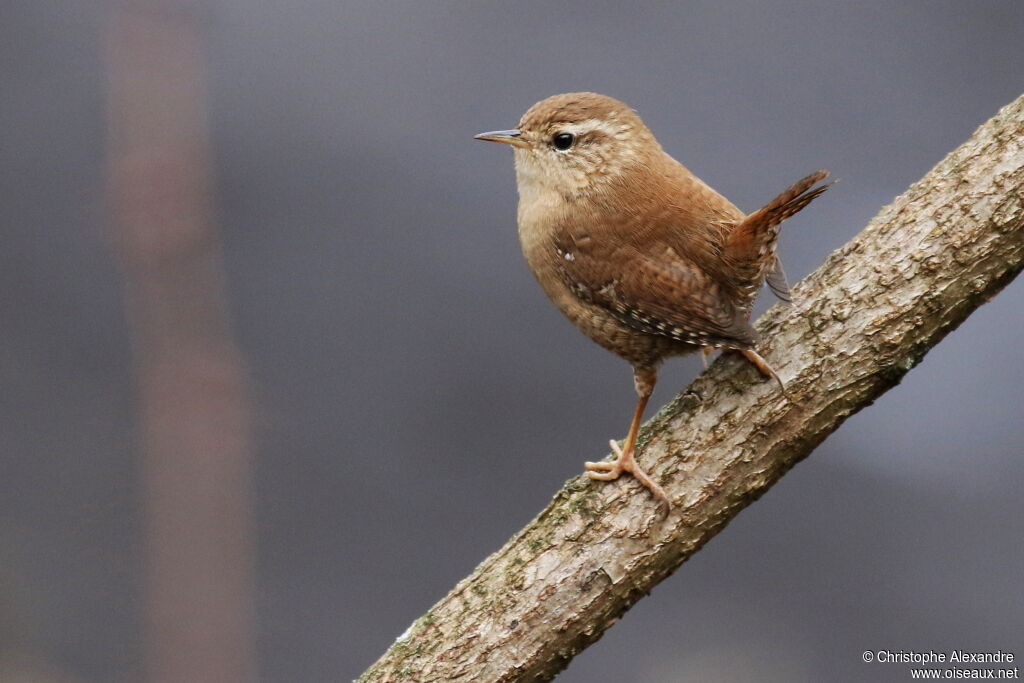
(751, 244)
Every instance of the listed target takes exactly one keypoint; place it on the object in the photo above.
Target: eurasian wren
(640, 254)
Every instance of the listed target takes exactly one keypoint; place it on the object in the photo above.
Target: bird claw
(610, 475)
(610, 471)
(762, 366)
(600, 466)
(606, 471)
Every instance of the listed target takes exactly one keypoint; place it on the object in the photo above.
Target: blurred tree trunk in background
(193, 397)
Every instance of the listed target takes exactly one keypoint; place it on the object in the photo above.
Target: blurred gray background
(418, 398)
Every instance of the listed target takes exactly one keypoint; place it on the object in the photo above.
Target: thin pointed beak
(509, 137)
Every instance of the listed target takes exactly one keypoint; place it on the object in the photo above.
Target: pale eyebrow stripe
(589, 125)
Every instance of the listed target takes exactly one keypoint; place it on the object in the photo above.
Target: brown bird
(640, 254)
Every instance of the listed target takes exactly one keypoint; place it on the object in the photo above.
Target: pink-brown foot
(762, 365)
(624, 462)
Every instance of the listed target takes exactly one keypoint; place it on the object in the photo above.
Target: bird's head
(575, 144)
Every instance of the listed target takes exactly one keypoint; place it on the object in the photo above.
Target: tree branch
(858, 324)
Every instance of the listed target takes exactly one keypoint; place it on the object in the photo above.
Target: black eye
(563, 141)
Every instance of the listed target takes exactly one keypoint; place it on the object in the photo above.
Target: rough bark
(857, 325)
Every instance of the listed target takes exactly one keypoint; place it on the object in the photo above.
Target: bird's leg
(762, 365)
(644, 378)
(705, 355)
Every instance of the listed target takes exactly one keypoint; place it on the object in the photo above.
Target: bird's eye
(563, 141)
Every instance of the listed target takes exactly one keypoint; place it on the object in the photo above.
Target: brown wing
(667, 296)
